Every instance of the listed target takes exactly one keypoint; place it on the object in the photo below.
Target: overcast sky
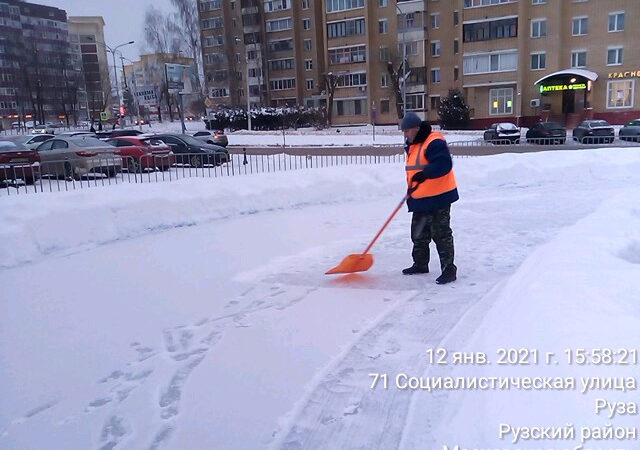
(123, 19)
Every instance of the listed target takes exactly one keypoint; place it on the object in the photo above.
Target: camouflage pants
(432, 225)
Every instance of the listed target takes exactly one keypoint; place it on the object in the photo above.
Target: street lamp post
(115, 68)
(404, 61)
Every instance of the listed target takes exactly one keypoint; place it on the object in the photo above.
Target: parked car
(17, 162)
(119, 132)
(594, 132)
(192, 151)
(547, 133)
(66, 134)
(630, 131)
(502, 133)
(216, 137)
(77, 156)
(29, 141)
(140, 154)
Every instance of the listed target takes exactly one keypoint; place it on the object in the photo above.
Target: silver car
(29, 140)
(78, 156)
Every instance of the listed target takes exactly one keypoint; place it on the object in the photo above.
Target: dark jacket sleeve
(437, 153)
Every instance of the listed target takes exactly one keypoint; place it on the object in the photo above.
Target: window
(307, 44)
(306, 24)
(435, 75)
(384, 80)
(384, 54)
(383, 26)
(620, 94)
(614, 56)
(216, 22)
(538, 61)
(490, 62)
(435, 103)
(538, 2)
(456, 46)
(435, 21)
(346, 55)
(456, 73)
(309, 84)
(305, 4)
(282, 45)
(383, 3)
(384, 106)
(281, 64)
(350, 107)
(352, 79)
(490, 29)
(308, 64)
(477, 3)
(279, 85)
(211, 41)
(218, 92)
(415, 102)
(538, 28)
(346, 28)
(279, 24)
(343, 5)
(456, 18)
(435, 48)
(616, 21)
(276, 5)
(579, 58)
(501, 101)
(411, 48)
(580, 26)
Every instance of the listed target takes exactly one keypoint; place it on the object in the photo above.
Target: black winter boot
(448, 275)
(415, 269)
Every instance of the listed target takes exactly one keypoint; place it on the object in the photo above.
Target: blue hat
(410, 120)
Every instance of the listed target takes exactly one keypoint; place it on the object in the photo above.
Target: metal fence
(83, 173)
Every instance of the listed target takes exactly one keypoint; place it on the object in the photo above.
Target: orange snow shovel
(361, 262)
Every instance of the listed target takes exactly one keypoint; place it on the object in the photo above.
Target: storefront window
(620, 94)
(501, 101)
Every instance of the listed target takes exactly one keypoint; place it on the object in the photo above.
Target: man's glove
(418, 177)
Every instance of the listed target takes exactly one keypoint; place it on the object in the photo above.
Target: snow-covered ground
(196, 314)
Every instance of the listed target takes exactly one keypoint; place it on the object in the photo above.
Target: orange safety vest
(417, 161)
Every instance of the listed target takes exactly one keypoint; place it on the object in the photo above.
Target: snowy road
(226, 334)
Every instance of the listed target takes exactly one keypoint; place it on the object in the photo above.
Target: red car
(143, 153)
(17, 162)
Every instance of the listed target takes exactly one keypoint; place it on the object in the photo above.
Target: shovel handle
(395, 211)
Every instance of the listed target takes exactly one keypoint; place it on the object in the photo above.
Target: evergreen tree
(454, 111)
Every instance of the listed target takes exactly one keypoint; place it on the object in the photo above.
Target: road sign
(208, 102)
(104, 115)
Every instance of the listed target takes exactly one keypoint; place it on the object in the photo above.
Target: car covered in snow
(502, 133)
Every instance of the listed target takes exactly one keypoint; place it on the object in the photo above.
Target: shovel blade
(353, 263)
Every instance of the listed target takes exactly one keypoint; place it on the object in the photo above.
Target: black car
(630, 131)
(594, 132)
(502, 133)
(547, 133)
(192, 151)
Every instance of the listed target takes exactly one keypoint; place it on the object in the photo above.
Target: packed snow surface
(196, 314)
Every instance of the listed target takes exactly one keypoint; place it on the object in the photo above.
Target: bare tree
(330, 81)
(161, 33)
(396, 72)
(190, 32)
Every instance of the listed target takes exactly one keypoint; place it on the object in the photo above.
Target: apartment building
(514, 60)
(522, 60)
(34, 54)
(90, 65)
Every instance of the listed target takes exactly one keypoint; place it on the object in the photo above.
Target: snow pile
(576, 295)
(31, 225)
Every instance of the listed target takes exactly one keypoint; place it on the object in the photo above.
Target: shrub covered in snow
(266, 118)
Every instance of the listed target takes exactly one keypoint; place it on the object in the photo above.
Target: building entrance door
(568, 102)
